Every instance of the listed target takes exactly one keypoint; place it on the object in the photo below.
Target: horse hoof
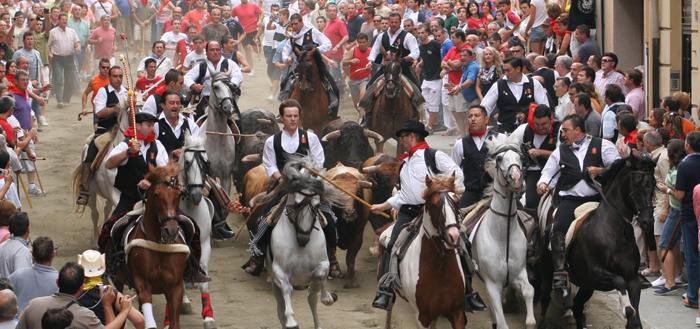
(335, 296)
(301, 287)
(209, 323)
(186, 308)
(351, 284)
(295, 327)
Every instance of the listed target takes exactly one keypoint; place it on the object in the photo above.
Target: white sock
(147, 309)
(32, 186)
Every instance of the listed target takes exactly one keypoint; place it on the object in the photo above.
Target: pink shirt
(335, 31)
(635, 99)
(104, 49)
(247, 16)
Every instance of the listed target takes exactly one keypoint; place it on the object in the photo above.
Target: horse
(432, 278)
(499, 244)
(309, 90)
(602, 254)
(221, 149)
(298, 244)
(393, 106)
(194, 166)
(155, 252)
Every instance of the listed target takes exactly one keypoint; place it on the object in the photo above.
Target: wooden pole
(233, 135)
(344, 190)
(24, 187)
(36, 170)
(246, 222)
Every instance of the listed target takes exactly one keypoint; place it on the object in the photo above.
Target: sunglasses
(104, 67)
(606, 60)
(32, 19)
(377, 21)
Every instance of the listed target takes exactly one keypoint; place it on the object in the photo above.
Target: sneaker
(42, 121)
(451, 132)
(679, 280)
(271, 98)
(59, 105)
(685, 295)
(439, 127)
(665, 290)
(658, 282)
(36, 192)
(697, 321)
(252, 73)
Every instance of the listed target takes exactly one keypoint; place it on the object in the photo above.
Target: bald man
(549, 76)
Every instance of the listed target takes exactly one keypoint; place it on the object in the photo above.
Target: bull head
(265, 122)
(371, 169)
(251, 158)
(331, 135)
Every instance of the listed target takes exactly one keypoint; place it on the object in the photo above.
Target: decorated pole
(130, 94)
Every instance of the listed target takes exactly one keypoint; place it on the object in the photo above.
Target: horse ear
(313, 51)
(297, 51)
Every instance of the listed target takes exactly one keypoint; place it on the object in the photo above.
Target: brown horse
(393, 107)
(309, 90)
(156, 254)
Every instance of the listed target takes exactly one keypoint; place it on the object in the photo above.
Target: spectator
(185, 46)
(8, 309)
(582, 105)
(163, 63)
(586, 74)
(250, 16)
(656, 118)
(466, 88)
(673, 123)
(56, 318)
(595, 62)
(563, 67)
(566, 106)
(450, 19)
(35, 74)
(356, 60)
(63, 43)
(40, 279)
(7, 208)
(588, 46)
(235, 28)
(14, 253)
(82, 29)
(171, 38)
(320, 11)
(125, 23)
(369, 26)
(146, 82)
(608, 73)
(431, 87)
(613, 99)
(177, 16)
(671, 104)
(104, 38)
(144, 14)
(197, 56)
(214, 31)
(354, 24)
(337, 33)
(636, 97)
(491, 71)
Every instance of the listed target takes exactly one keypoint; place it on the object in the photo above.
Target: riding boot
(367, 121)
(558, 250)
(85, 180)
(222, 228)
(385, 296)
(334, 273)
(472, 301)
(258, 248)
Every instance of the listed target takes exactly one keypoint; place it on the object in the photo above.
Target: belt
(582, 198)
(412, 206)
(71, 55)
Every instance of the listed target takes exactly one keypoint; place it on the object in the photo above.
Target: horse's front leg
(320, 275)
(146, 301)
(95, 216)
(174, 299)
(521, 281)
(282, 282)
(495, 291)
(312, 298)
(634, 290)
(205, 243)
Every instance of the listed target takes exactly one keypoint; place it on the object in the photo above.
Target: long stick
(673, 235)
(36, 170)
(344, 190)
(227, 134)
(24, 187)
(246, 222)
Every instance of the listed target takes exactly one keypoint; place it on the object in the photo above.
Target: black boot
(472, 301)
(224, 231)
(85, 179)
(367, 121)
(558, 249)
(385, 296)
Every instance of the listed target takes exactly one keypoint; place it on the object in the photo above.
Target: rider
(568, 169)
(107, 100)
(419, 161)
(304, 35)
(470, 154)
(404, 45)
(540, 137)
(174, 80)
(291, 140)
(171, 126)
(99, 81)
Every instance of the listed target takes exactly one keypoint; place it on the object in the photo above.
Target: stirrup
(558, 278)
(254, 271)
(338, 272)
(83, 198)
(384, 299)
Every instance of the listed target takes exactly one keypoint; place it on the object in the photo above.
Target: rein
(204, 167)
(171, 184)
(599, 188)
(292, 212)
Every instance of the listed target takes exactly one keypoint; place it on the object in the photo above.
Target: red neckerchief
(349, 18)
(165, 3)
(144, 3)
(304, 13)
(13, 89)
(532, 126)
(160, 90)
(10, 78)
(419, 146)
(148, 139)
(478, 134)
(631, 137)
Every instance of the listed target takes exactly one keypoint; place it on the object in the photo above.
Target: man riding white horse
(417, 163)
(568, 169)
(291, 140)
(308, 36)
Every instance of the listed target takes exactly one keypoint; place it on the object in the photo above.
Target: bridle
(293, 211)
(599, 188)
(305, 72)
(203, 164)
(504, 175)
(441, 228)
(220, 101)
(171, 183)
(389, 76)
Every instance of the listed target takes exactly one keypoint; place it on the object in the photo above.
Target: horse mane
(194, 142)
(222, 77)
(495, 147)
(439, 183)
(641, 163)
(322, 71)
(163, 173)
(296, 178)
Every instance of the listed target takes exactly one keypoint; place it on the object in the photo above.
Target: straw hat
(93, 262)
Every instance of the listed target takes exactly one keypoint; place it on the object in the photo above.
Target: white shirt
(150, 106)
(194, 128)
(161, 158)
(11, 194)
(564, 108)
(491, 97)
(193, 59)
(324, 44)
(541, 15)
(171, 39)
(162, 68)
(409, 43)
(269, 34)
(581, 189)
(290, 144)
(294, 8)
(458, 150)
(537, 140)
(412, 177)
(101, 97)
(234, 73)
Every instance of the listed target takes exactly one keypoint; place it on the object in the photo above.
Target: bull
(347, 142)
(383, 171)
(249, 150)
(254, 185)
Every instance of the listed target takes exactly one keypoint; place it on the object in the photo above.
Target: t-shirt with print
(688, 176)
(193, 59)
(143, 83)
(199, 19)
(247, 16)
(171, 39)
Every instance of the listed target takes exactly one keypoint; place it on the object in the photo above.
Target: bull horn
(251, 158)
(261, 135)
(331, 135)
(255, 199)
(371, 169)
(265, 122)
(365, 184)
(459, 190)
(374, 135)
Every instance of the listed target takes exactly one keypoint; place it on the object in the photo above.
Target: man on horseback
(570, 168)
(171, 125)
(308, 35)
(419, 161)
(289, 141)
(405, 47)
(174, 80)
(107, 109)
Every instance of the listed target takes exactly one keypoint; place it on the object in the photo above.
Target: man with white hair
(8, 309)
(563, 66)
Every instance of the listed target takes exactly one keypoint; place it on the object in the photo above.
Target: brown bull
(255, 182)
(383, 171)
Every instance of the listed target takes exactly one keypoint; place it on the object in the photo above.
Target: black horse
(603, 255)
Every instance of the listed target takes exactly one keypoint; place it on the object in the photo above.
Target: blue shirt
(32, 282)
(687, 177)
(446, 47)
(124, 7)
(470, 72)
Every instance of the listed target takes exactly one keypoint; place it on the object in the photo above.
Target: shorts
(537, 34)
(15, 165)
(669, 225)
(457, 103)
(26, 164)
(146, 33)
(658, 225)
(45, 72)
(432, 92)
(356, 85)
(249, 39)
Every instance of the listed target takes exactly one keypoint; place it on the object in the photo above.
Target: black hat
(144, 117)
(414, 127)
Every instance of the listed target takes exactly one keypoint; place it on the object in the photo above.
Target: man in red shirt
(198, 17)
(177, 14)
(337, 33)
(146, 83)
(184, 46)
(451, 64)
(250, 16)
(356, 58)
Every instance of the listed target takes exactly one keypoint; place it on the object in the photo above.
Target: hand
(379, 208)
(144, 184)
(177, 153)
(333, 64)
(520, 116)
(77, 48)
(662, 187)
(334, 50)
(31, 156)
(107, 294)
(280, 66)
(135, 147)
(8, 176)
(84, 112)
(47, 87)
(594, 171)
(197, 87)
(142, 24)
(663, 215)
(115, 48)
(534, 152)
(355, 61)
(41, 101)
(35, 84)
(369, 65)
(542, 189)
(623, 150)
(99, 39)
(126, 302)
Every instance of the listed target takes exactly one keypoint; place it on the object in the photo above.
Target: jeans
(406, 215)
(335, 73)
(63, 77)
(79, 62)
(690, 248)
(269, 53)
(669, 225)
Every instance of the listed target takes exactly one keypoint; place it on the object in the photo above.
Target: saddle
(581, 213)
(103, 144)
(276, 213)
(124, 226)
(475, 214)
(405, 238)
(377, 87)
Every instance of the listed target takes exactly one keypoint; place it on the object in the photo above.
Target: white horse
(298, 244)
(194, 165)
(500, 246)
(221, 149)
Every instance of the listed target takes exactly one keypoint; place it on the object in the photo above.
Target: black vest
(548, 76)
(307, 38)
(398, 44)
(112, 100)
(508, 106)
(281, 155)
(135, 169)
(203, 69)
(473, 161)
(549, 143)
(167, 136)
(613, 109)
(571, 172)
(156, 98)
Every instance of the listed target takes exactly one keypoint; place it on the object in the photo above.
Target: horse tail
(75, 188)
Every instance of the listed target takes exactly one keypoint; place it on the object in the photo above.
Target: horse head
(392, 75)
(165, 194)
(505, 163)
(222, 94)
(441, 205)
(307, 69)
(194, 166)
(630, 183)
